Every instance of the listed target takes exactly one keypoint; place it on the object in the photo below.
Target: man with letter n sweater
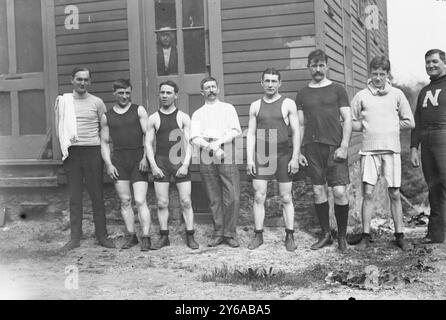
(430, 132)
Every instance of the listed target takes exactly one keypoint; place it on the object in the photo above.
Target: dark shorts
(169, 170)
(127, 164)
(273, 166)
(322, 168)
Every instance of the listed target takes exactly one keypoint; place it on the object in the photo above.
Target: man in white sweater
(380, 111)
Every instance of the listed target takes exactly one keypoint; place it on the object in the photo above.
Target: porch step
(28, 173)
(11, 182)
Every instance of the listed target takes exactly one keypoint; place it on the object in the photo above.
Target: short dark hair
(317, 55)
(441, 53)
(271, 71)
(77, 69)
(207, 79)
(380, 62)
(121, 84)
(170, 83)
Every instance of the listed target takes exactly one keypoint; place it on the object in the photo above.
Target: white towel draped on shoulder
(67, 126)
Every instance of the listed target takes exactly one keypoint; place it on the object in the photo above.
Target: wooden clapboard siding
(100, 44)
(334, 39)
(257, 34)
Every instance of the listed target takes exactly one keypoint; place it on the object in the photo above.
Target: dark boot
(145, 243)
(342, 243)
(325, 240)
(218, 240)
(163, 240)
(322, 212)
(289, 240)
(341, 213)
(70, 245)
(232, 242)
(257, 241)
(190, 241)
(107, 243)
(130, 240)
(401, 242)
(365, 242)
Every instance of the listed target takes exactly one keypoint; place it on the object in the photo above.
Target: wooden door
(25, 121)
(187, 26)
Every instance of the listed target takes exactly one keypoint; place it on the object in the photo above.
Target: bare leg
(125, 195)
(140, 193)
(162, 196)
(258, 208)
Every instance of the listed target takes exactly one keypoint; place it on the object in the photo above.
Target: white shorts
(387, 165)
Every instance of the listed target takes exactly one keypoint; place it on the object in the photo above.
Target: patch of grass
(262, 278)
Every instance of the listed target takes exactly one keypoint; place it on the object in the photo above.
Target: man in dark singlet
(169, 127)
(268, 153)
(125, 124)
(320, 106)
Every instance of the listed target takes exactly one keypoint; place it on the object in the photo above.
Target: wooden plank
(136, 57)
(65, 39)
(10, 182)
(93, 47)
(265, 55)
(259, 66)
(91, 6)
(265, 33)
(231, 4)
(95, 67)
(215, 43)
(110, 15)
(94, 57)
(269, 21)
(268, 43)
(94, 27)
(270, 10)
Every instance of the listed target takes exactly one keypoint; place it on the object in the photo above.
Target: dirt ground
(31, 267)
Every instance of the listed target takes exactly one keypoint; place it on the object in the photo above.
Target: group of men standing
(320, 122)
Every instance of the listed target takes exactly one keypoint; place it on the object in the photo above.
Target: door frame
(142, 74)
(48, 82)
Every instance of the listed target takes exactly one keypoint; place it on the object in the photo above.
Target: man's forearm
(346, 133)
(200, 142)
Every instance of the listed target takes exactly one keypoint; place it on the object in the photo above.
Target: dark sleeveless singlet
(270, 118)
(125, 129)
(168, 123)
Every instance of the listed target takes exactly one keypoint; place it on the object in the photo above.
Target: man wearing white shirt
(214, 127)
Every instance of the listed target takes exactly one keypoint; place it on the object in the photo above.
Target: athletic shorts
(274, 165)
(322, 168)
(127, 164)
(169, 170)
(388, 165)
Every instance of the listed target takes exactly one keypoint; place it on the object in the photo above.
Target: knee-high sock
(341, 214)
(322, 212)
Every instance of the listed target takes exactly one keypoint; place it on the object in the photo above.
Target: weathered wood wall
(261, 33)
(101, 44)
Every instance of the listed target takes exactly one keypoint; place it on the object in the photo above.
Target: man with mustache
(380, 111)
(430, 132)
(320, 105)
(78, 116)
(125, 124)
(269, 155)
(169, 129)
(214, 127)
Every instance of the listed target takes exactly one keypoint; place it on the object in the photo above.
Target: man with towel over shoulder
(77, 120)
